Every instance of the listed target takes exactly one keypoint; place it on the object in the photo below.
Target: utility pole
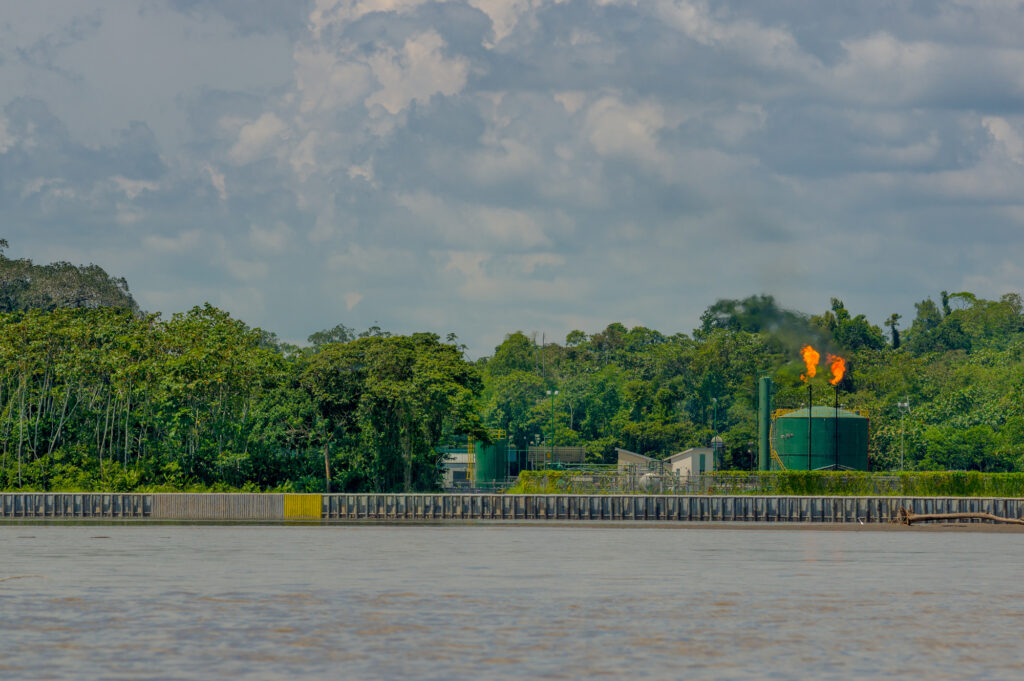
(904, 407)
(552, 393)
(714, 431)
(714, 417)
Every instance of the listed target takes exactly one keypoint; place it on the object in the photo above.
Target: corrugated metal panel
(303, 506)
(218, 506)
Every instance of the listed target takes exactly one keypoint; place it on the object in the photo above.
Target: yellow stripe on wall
(302, 506)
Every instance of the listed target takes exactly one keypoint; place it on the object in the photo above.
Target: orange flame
(811, 357)
(838, 367)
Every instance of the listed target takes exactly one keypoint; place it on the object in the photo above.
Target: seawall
(527, 507)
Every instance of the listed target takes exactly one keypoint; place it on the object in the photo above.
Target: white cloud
(217, 180)
(505, 159)
(916, 153)
(352, 299)
(504, 14)
(1003, 133)
(364, 171)
(571, 100)
(328, 13)
(128, 215)
(371, 260)
(416, 72)
(479, 285)
(487, 226)
(528, 264)
(50, 186)
(768, 47)
(246, 270)
(132, 188)
(182, 242)
(327, 81)
(274, 239)
(616, 128)
(256, 137)
(884, 68)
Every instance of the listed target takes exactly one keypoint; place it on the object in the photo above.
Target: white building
(456, 469)
(693, 461)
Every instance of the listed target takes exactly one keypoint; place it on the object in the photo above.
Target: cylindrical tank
(491, 462)
(649, 482)
(789, 439)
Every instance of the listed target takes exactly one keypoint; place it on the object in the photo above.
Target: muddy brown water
(507, 602)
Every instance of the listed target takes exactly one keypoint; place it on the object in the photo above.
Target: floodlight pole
(552, 393)
(714, 433)
(904, 407)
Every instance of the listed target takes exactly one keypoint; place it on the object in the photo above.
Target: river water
(507, 602)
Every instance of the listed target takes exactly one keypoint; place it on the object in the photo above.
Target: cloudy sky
(482, 166)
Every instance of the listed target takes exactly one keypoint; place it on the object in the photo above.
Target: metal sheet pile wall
(697, 508)
(51, 505)
(218, 506)
(428, 507)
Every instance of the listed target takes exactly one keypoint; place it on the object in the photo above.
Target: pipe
(764, 416)
(809, 398)
(836, 438)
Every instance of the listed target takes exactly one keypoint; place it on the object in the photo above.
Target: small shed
(456, 469)
(693, 461)
(639, 462)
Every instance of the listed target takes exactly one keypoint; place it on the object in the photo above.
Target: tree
(753, 314)
(400, 396)
(516, 353)
(512, 397)
(850, 333)
(893, 322)
(339, 334)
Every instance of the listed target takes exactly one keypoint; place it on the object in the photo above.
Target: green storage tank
(491, 462)
(789, 440)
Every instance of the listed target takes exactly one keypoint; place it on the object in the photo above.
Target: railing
(469, 487)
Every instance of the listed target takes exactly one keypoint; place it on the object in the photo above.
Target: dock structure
(487, 507)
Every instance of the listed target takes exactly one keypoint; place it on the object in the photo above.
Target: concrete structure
(20, 507)
(693, 461)
(456, 469)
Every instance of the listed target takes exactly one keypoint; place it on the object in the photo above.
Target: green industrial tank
(491, 461)
(841, 441)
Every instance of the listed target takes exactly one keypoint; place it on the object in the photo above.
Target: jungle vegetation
(96, 394)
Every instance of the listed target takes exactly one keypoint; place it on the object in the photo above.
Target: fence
(653, 480)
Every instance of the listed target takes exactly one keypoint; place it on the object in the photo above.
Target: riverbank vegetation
(96, 394)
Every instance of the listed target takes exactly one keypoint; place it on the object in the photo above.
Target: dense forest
(97, 394)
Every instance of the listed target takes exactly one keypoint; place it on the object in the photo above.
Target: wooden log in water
(909, 517)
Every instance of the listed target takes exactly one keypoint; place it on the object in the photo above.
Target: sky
(487, 166)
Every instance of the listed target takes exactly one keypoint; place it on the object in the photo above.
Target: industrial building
(693, 461)
(488, 465)
(629, 460)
